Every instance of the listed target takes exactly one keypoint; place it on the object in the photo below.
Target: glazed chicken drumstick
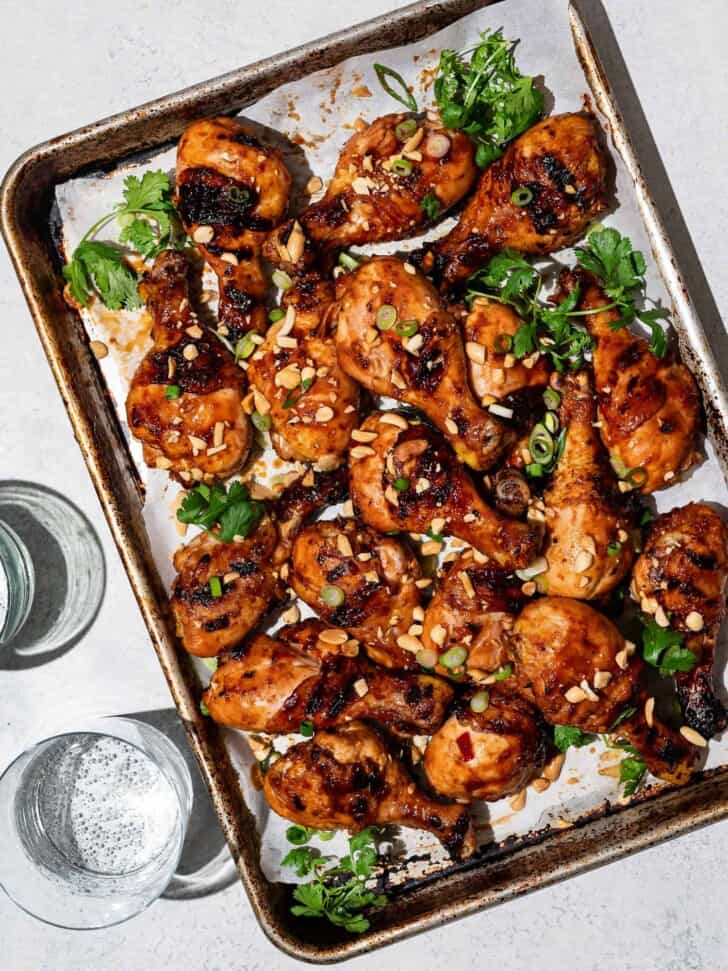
(470, 615)
(347, 779)
(248, 569)
(576, 667)
(312, 404)
(488, 752)
(382, 177)
(359, 580)
(589, 532)
(680, 580)
(406, 478)
(231, 190)
(539, 197)
(185, 400)
(395, 337)
(273, 685)
(649, 408)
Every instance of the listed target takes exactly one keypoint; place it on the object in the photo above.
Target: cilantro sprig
(148, 223)
(620, 269)
(553, 330)
(232, 509)
(482, 93)
(336, 890)
(664, 649)
(558, 330)
(569, 736)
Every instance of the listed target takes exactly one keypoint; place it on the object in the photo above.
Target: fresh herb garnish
(486, 96)
(551, 330)
(621, 271)
(336, 890)
(403, 93)
(148, 222)
(503, 673)
(430, 206)
(569, 736)
(663, 649)
(233, 509)
(306, 729)
(622, 717)
(632, 770)
(293, 397)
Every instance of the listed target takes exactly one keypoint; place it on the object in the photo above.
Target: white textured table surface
(68, 64)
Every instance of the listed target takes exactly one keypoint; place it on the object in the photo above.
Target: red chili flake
(466, 746)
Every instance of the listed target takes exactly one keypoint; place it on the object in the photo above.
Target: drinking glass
(52, 572)
(92, 823)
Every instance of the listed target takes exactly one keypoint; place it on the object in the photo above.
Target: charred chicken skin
(198, 432)
(559, 168)
(577, 668)
(361, 581)
(680, 579)
(273, 685)
(473, 607)
(487, 754)
(418, 358)
(231, 190)
(589, 533)
(493, 370)
(381, 180)
(348, 779)
(249, 570)
(649, 408)
(406, 478)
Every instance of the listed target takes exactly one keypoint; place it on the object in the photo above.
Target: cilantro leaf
(99, 267)
(301, 859)
(568, 736)
(153, 189)
(430, 206)
(234, 510)
(620, 268)
(663, 649)
(140, 236)
(632, 771)
(487, 97)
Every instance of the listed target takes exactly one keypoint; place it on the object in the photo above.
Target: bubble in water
(104, 805)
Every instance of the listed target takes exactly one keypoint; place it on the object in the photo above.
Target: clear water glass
(92, 823)
(52, 571)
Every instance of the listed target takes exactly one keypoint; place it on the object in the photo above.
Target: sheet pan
(525, 860)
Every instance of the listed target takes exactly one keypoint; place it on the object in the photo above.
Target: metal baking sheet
(527, 859)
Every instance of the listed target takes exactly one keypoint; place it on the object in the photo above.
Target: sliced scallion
(480, 701)
(282, 280)
(521, 196)
(401, 484)
(172, 391)
(386, 316)
(502, 343)
(407, 328)
(275, 315)
(261, 422)
(402, 166)
(455, 657)
(348, 262)
(552, 399)
(245, 346)
(541, 445)
(551, 422)
(216, 586)
(332, 596)
(406, 129)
